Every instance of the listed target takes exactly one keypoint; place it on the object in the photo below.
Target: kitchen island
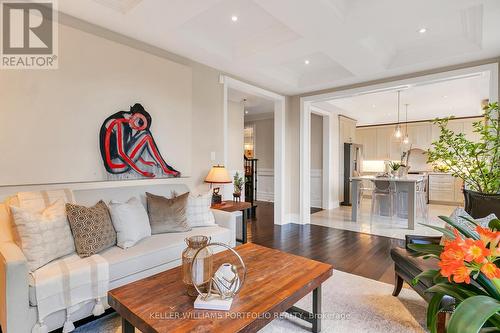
(406, 183)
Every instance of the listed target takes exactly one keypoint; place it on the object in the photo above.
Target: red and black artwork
(128, 146)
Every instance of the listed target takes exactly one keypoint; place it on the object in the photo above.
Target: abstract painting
(128, 148)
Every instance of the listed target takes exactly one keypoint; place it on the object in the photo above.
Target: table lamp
(217, 175)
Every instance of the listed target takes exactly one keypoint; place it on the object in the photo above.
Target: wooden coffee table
(275, 282)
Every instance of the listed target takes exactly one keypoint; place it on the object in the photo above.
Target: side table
(233, 206)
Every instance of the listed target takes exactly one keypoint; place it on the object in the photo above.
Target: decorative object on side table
(238, 186)
(222, 286)
(197, 246)
(217, 175)
(476, 163)
(468, 272)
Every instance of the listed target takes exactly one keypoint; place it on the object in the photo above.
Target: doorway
(309, 103)
(278, 154)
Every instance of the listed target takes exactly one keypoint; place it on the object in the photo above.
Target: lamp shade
(218, 174)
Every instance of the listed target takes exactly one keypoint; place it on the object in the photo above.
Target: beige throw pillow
(198, 211)
(92, 228)
(456, 216)
(44, 235)
(167, 215)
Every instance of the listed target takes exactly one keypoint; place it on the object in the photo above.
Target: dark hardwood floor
(348, 251)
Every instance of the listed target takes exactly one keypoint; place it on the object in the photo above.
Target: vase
(203, 265)
(479, 204)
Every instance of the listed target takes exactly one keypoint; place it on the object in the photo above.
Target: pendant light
(406, 139)
(397, 132)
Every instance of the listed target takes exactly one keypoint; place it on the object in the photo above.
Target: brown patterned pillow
(92, 228)
(167, 215)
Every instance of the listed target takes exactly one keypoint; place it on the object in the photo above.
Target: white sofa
(150, 256)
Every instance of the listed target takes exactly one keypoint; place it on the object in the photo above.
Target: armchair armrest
(227, 220)
(14, 289)
(414, 239)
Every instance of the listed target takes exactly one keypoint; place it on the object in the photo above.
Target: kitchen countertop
(404, 179)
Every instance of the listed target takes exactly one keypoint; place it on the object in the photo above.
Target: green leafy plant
(477, 163)
(395, 166)
(238, 182)
(468, 272)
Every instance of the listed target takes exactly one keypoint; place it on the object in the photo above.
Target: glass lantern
(203, 266)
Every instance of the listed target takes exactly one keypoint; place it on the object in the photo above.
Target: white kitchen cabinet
(458, 126)
(368, 138)
(444, 188)
(469, 130)
(383, 138)
(379, 142)
(420, 135)
(347, 130)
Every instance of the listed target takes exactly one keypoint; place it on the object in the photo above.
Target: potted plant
(238, 186)
(476, 163)
(468, 272)
(395, 166)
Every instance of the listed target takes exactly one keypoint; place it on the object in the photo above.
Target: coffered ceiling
(342, 41)
(455, 97)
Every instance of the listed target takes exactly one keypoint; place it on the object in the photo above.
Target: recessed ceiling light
(445, 96)
(422, 30)
(246, 111)
(234, 18)
(306, 62)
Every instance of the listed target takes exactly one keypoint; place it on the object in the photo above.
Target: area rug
(350, 304)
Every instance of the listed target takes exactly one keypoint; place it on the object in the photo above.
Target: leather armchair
(407, 267)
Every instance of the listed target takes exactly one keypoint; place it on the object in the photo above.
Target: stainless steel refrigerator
(353, 155)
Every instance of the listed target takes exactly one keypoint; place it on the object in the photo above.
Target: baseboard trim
(265, 196)
(292, 218)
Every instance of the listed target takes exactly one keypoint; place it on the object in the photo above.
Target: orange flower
(462, 274)
(475, 250)
(448, 267)
(451, 258)
(491, 270)
(488, 236)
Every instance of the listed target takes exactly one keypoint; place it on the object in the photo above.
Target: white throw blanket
(70, 282)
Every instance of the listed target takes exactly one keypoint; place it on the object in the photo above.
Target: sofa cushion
(198, 210)
(45, 235)
(147, 254)
(155, 251)
(92, 228)
(167, 215)
(130, 220)
(456, 216)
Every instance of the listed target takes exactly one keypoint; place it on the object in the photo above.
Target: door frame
(279, 137)
(306, 107)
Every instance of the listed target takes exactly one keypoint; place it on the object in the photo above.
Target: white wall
(55, 116)
(207, 124)
(52, 118)
(235, 161)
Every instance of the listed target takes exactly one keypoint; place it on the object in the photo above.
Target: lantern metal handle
(230, 249)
